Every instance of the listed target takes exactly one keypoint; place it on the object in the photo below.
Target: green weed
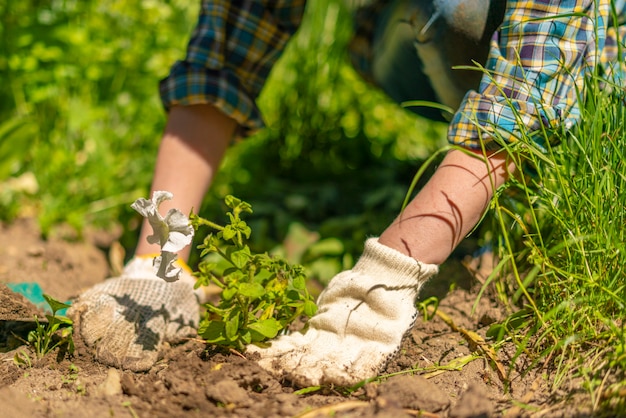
(562, 246)
(57, 332)
(70, 380)
(261, 295)
(22, 359)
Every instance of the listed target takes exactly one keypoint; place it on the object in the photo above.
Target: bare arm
(191, 150)
(448, 207)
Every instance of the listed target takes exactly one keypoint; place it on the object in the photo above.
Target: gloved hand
(362, 318)
(128, 318)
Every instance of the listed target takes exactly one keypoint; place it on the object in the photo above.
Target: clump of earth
(439, 371)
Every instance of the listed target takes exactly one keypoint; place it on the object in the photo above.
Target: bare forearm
(448, 207)
(191, 150)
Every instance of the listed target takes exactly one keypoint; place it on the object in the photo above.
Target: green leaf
(53, 324)
(212, 308)
(228, 233)
(206, 266)
(299, 282)
(308, 390)
(55, 305)
(232, 327)
(237, 204)
(240, 258)
(251, 290)
(292, 295)
(245, 229)
(232, 201)
(256, 336)
(496, 332)
(230, 271)
(245, 336)
(213, 331)
(310, 308)
(229, 293)
(269, 328)
(295, 304)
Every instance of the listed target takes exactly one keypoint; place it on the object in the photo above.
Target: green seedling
(71, 381)
(132, 412)
(428, 307)
(22, 359)
(260, 294)
(55, 333)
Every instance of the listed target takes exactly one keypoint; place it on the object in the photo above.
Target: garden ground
(457, 374)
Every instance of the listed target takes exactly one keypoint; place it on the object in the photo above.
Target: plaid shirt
(230, 54)
(535, 71)
(536, 66)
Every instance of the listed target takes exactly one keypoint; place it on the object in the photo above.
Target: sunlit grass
(563, 249)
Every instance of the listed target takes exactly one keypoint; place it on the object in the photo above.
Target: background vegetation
(80, 122)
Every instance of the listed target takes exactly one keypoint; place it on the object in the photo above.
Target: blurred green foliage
(80, 113)
(80, 81)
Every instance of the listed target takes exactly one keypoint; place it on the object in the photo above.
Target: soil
(193, 379)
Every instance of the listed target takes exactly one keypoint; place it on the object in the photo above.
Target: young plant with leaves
(55, 333)
(261, 294)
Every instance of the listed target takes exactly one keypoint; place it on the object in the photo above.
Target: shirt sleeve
(534, 74)
(229, 56)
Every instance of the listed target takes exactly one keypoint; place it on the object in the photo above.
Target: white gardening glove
(128, 318)
(362, 318)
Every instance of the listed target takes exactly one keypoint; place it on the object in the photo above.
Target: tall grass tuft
(562, 249)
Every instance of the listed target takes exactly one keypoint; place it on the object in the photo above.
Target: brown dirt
(194, 380)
